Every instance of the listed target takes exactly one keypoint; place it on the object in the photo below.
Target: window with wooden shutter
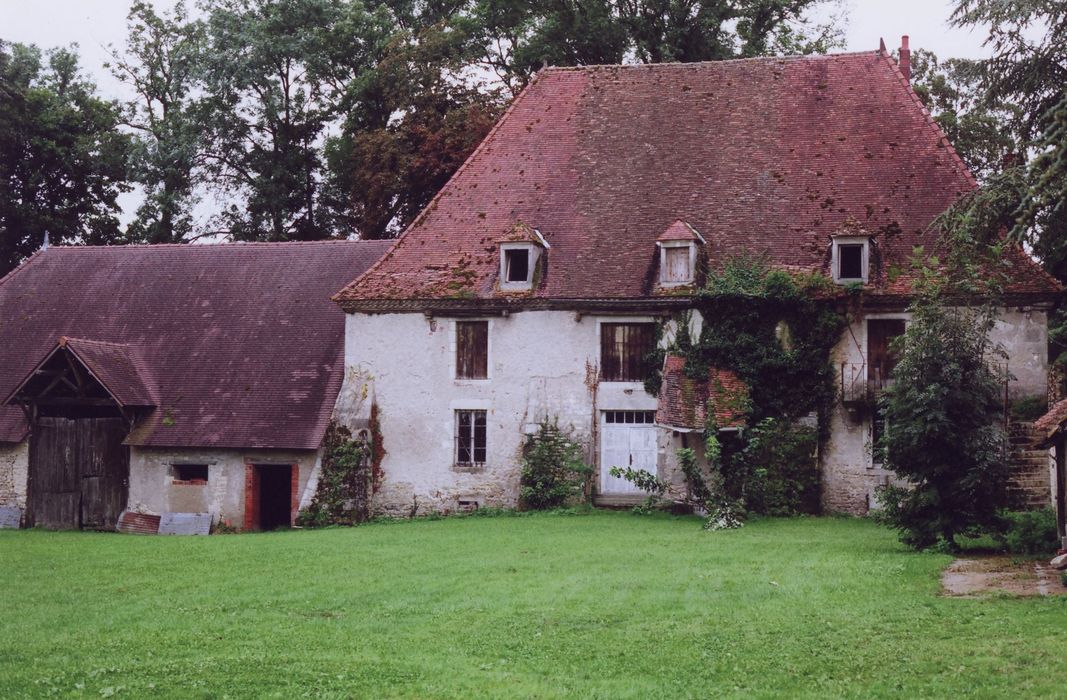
(677, 265)
(625, 350)
(472, 349)
(881, 360)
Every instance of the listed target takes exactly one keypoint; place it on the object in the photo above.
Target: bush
(553, 470)
(776, 471)
(1030, 532)
(1029, 408)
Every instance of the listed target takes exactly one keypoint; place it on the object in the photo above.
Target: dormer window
(678, 255)
(521, 250)
(851, 259)
(517, 265)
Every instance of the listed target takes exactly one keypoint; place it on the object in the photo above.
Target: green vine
(346, 480)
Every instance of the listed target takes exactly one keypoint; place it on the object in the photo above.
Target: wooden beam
(74, 401)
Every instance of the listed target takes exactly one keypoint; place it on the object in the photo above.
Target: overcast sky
(93, 24)
(96, 24)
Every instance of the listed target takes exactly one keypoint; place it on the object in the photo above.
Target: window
(677, 264)
(516, 265)
(189, 473)
(470, 438)
(850, 261)
(624, 351)
(472, 349)
(881, 360)
(642, 417)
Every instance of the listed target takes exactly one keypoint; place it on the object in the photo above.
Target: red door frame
(251, 514)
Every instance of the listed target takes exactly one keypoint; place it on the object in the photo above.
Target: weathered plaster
(14, 472)
(152, 487)
(542, 366)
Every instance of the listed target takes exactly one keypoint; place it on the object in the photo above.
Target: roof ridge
(750, 59)
(432, 204)
(210, 246)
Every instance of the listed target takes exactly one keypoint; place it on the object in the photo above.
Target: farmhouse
(169, 379)
(572, 241)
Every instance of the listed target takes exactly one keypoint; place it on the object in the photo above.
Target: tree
(1028, 69)
(943, 434)
(516, 38)
(413, 124)
(161, 64)
(62, 156)
(979, 130)
(276, 75)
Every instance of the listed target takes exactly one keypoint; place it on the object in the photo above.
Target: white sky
(94, 24)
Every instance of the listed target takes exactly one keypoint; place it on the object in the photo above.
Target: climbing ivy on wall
(346, 480)
(775, 330)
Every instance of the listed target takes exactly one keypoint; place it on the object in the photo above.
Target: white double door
(627, 439)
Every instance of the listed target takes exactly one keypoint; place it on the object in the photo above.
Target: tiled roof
(683, 401)
(1052, 422)
(119, 368)
(766, 156)
(237, 345)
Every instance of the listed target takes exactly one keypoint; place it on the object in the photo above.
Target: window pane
(479, 437)
(472, 349)
(624, 350)
(850, 261)
(464, 433)
(517, 265)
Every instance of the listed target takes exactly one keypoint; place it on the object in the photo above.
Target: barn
(162, 380)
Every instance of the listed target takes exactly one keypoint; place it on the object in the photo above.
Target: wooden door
(79, 473)
(880, 358)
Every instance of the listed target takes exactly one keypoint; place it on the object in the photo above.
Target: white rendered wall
(542, 364)
(152, 487)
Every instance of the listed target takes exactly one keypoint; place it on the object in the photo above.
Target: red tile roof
(679, 231)
(683, 401)
(1052, 422)
(238, 345)
(767, 155)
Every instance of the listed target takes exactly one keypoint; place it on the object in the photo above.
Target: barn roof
(765, 155)
(118, 367)
(235, 345)
(683, 402)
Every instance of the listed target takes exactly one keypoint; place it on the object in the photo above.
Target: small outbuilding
(170, 379)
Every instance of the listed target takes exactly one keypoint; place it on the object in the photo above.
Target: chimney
(44, 244)
(905, 58)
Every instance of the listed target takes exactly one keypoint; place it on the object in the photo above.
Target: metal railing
(861, 385)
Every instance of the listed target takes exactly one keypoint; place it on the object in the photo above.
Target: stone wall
(14, 471)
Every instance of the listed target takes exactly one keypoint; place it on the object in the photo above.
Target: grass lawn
(603, 605)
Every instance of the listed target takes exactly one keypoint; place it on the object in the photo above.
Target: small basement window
(190, 473)
(517, 265)
(470, 438)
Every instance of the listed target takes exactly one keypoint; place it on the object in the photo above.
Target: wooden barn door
(79, 473)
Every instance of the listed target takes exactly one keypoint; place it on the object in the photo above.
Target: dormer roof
(680, 231)
(523, 233)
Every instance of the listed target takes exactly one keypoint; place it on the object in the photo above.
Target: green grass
(605, 605)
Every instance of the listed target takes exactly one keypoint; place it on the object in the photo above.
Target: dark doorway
(274, 496)
(79, 473)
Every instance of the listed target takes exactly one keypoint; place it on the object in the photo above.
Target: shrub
(775, 472)
(553, 470)
(1029, 532)
(1029, 408)
(945, 427)
(345, 481)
